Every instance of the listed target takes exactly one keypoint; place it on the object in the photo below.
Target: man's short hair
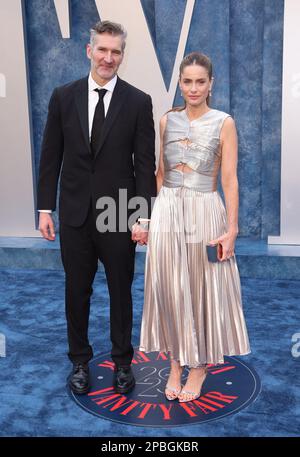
(108, 27)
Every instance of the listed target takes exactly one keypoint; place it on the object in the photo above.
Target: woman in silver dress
(193, 307)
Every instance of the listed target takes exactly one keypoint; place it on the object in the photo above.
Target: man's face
(106, 56)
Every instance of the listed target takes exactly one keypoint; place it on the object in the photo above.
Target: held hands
(227, 242)
(139, 234)
(46, 226)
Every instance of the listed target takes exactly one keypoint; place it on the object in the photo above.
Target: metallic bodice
(194, 143)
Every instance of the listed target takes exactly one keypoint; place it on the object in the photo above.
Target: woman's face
(195, 84)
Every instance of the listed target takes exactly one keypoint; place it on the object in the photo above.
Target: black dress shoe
(79, 381)
(124, 380)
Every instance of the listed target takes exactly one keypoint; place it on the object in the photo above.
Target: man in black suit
(99, 138)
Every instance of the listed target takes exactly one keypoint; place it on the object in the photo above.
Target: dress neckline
(197, 118)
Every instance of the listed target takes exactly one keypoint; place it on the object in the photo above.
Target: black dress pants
(81, 247)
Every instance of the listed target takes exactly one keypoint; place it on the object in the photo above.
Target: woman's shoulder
(219, 118)
(174, 116)
(221, 114)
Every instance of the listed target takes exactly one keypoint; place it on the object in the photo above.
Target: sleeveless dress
(192, 307)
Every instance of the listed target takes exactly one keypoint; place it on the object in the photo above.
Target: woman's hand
(227, 242)
(139, 234)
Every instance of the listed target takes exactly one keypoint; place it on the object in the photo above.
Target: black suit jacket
(125, 159)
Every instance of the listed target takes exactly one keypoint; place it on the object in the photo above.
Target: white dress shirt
(92, 102)
(94, 97)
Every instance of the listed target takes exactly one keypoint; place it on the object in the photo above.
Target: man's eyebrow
(104, 48)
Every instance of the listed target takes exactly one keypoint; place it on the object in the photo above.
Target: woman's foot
(173, 387)
(192, 389)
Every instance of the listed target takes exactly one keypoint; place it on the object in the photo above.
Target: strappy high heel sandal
(189, 395)
(172, 393)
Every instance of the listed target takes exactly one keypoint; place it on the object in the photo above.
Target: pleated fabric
(192, 307)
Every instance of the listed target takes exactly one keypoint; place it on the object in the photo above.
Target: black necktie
(98, 122)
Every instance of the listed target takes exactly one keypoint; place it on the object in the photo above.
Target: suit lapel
(81, 98)
(116, 103)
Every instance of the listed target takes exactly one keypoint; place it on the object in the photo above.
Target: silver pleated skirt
(192, 307)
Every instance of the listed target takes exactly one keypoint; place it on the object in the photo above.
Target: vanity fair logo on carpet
(228, 388)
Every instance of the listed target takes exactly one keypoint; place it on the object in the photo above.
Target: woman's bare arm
(160, 171)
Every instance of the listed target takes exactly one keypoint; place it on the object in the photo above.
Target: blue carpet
(33, 396)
